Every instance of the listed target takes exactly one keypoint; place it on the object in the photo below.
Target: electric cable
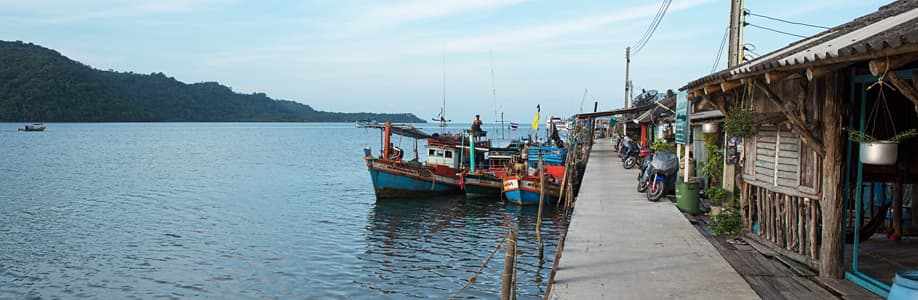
(774, 30)
(747, 12)
(720, 50)
(653, 28)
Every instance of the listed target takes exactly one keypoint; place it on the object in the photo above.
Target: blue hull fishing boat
(395, 177)
(526, 190)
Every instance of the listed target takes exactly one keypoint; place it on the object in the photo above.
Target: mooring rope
(475, 276)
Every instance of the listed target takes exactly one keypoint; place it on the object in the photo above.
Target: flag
(535, 121)
(514, 126)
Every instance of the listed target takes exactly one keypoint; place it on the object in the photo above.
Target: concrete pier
(621, 246)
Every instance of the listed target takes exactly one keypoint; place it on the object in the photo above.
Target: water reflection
(430, 247)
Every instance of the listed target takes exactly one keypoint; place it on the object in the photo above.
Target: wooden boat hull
(392, 179)
(525, 190)
(481, 185)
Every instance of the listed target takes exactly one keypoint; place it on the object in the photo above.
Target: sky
(388, 56)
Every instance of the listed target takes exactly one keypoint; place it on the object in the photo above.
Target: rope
(433, 178)
(475, 276)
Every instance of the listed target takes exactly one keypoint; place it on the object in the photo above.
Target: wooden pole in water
(509, 261)
(541, 199)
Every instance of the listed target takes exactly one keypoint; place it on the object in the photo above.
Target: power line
(653, 27)
(654, 20)
(747, 12)
(774, 30)
(720, 50)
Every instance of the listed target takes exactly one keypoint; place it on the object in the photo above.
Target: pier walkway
(621, 246)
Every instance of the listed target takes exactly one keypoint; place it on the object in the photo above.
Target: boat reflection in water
(430, 247)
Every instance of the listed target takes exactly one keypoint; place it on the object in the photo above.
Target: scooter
(632, 155)
(642, 175)
(661, 175)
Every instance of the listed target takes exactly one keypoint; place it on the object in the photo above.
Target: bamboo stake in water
(509, 261)
(541, 199)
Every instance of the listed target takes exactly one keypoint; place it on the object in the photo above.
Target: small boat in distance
(33, 127)
(365, 122)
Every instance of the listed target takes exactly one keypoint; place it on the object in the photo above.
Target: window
(449, 154)
(431, 152)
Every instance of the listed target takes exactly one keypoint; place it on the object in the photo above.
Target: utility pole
(627, 88)
(734, 58)
(735, 50)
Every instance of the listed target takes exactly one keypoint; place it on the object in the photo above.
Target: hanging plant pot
(710, 127)
(879, 153)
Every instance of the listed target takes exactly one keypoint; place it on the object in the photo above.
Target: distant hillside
(40, 84)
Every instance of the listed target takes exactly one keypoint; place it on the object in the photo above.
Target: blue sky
(387, 56)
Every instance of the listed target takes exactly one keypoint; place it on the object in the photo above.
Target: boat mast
(443, 108)
(494, 92)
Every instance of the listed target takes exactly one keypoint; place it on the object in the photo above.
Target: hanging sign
(681, 126)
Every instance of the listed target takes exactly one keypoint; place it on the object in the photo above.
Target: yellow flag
(535, 122)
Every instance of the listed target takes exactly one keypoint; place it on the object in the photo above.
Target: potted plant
(718, 197)
(728, 224)
(879, 152)
(741, 123)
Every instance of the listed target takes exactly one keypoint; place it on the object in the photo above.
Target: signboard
(681, 127)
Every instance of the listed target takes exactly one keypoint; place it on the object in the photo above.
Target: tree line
(40, 84)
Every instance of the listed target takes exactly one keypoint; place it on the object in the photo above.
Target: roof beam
(712, 88)
(774, 76)
(815, 72)
(729, 85)
(884, 65)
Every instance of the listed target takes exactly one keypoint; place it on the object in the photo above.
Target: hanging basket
(710, 127)
(879, 153)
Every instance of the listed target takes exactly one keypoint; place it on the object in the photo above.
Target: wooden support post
(801, 224)
(509, 261)
(788, 224)
(832, 262)
(541, 199)
(897, 204)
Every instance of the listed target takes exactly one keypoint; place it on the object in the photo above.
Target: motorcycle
(642, 175)
(632, 155)
(660, 176)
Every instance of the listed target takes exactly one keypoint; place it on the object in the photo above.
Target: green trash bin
(687, 197)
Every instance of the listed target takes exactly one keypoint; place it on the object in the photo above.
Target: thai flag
(514, 126)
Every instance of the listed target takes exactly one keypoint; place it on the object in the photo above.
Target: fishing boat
(527, 189)
(395, 177)
(487, 181)
(33, 127)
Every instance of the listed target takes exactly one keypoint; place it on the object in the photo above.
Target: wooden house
(802, 188)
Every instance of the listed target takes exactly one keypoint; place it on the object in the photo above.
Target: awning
(891, 28)
(614, 112)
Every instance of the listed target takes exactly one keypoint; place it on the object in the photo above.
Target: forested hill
(40, 84)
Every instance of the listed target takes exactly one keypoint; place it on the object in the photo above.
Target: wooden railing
(790, 224)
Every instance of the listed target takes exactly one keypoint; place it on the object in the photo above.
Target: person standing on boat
(476, 127)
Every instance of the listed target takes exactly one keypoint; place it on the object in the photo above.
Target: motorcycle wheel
(655, 191)
(642, 186)
(629, 162)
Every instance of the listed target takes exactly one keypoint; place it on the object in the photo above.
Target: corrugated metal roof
(892, 26)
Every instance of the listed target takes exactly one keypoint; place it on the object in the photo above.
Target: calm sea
(238, 210)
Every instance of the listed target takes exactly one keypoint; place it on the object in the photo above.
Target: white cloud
(383, 16)
(60, 11)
